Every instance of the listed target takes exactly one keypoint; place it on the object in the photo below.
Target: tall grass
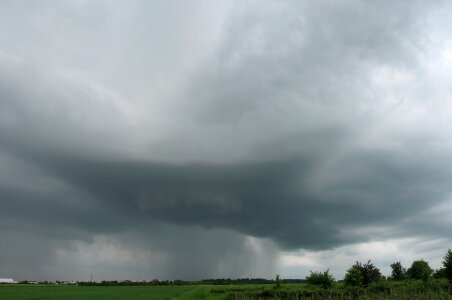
(384, 289)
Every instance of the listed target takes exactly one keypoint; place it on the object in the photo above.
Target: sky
(206, 139)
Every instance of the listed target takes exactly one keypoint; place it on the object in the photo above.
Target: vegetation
(323, 279)
(420, 270)
(72, 292)
(354, 277)
(362, 274)
(440, 273)
(398, 272)
(382, 289)
(155, 282)
(278, 281)
(362, 281)
(447, 264)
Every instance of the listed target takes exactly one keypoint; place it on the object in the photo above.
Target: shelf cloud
(165, 140)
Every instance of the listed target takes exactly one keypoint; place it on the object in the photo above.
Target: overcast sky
(198, 139)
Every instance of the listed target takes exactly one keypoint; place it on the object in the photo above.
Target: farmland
(435, 289)
(51, 292)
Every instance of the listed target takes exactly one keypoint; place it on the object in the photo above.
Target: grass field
(435, 289)
(50, 292)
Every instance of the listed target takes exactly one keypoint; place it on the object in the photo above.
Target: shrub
(362, 274)
(420, 270)
(398, 272)
(323, 279)
(353, 277)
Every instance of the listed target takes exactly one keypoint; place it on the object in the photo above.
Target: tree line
(363, 274)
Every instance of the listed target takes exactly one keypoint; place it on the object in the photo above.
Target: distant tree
(447, 264)
(278, 281)
(440, 273)
(323, 279)
(362, 274)
(398, 272)
(420, 270)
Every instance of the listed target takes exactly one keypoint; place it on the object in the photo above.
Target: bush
(353, 277)
(362, 274)
(398, 272)
(323, 279)
(420, 270)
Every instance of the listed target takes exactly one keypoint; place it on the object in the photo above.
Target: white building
(7, 280)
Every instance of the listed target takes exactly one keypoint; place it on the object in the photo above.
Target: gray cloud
(305, 125)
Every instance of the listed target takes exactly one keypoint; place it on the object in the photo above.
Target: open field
(51, 292)
(383, 290)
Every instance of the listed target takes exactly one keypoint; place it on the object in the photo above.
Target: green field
(407, 290)
(51, 292)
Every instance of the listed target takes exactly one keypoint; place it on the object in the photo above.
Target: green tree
(278, 281)
(398, 272)
(362, 274)
(447, 264)
(440, 273)
(353, 277)
(323, 279)
(419, 270)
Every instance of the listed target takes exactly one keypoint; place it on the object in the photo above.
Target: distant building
(7, 280)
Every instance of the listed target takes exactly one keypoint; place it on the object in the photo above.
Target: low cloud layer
(175, 142)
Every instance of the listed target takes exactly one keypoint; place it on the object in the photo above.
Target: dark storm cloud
(278, 199)
(306, 126)
(266, 199)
